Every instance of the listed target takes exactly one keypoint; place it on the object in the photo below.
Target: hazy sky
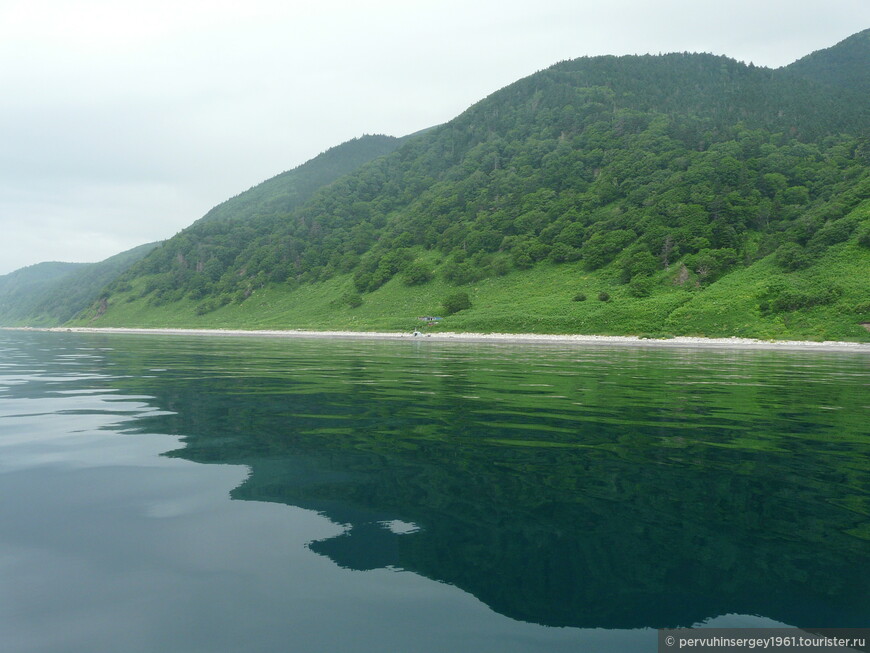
(123, 121)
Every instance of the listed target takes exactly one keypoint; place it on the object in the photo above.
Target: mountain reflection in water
(589, 487)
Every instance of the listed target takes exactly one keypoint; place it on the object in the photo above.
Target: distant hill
(22, 289)
(48, 294)
(690, 192)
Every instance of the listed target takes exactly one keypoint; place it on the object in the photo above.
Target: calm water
(219, 494)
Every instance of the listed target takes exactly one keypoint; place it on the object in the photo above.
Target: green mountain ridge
(49, 294)
(842, 66)
(290, 189)
(46, 295)
(21, 290)
(626, 195)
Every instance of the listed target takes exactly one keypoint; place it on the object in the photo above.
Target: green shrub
(862, 309)
(795, 300)
(833, 233)
(709, 264)
(604, 297)
(791, 256)
(500, 266)
(207, 306)
(457, 302)
(640, 286)
(352, 299)
(562, 253)
(782, 298)
(361, 280)
(603, 246)
(579, 297)
(639, 264)
(460, 273)
(417, 273)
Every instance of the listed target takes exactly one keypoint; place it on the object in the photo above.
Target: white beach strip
(508, 338)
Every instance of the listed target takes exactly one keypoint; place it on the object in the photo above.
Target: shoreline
(506, 338)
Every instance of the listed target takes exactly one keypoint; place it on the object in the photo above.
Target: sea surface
(220, 494)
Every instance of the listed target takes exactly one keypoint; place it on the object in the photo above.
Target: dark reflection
(607, 488)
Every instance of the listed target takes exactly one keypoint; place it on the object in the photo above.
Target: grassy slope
(540, 300)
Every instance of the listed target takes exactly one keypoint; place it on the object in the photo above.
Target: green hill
(49, 294)
(692, 193)
(23, 289)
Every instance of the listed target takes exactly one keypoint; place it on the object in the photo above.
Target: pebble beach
(507, 338)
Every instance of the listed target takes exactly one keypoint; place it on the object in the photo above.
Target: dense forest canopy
(290, 189)
(843, 66)
(650, 176)
(642, 162)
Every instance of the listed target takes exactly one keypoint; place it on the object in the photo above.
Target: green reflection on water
(593, 487)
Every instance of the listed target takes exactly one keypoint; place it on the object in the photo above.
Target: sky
(124, 121)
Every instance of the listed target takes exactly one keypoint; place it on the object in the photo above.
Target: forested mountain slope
(48, 294)
(673, 187)
(844, 65)
(290, 189)
(22, 289)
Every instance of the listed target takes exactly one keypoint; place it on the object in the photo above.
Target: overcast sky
(123, 121)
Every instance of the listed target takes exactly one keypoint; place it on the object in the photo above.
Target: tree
(352, 299)
(791, 256)
(641, 263)
(457, 302)
(604, 245)
(640, 286)
(561, 253)
(418, 273)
